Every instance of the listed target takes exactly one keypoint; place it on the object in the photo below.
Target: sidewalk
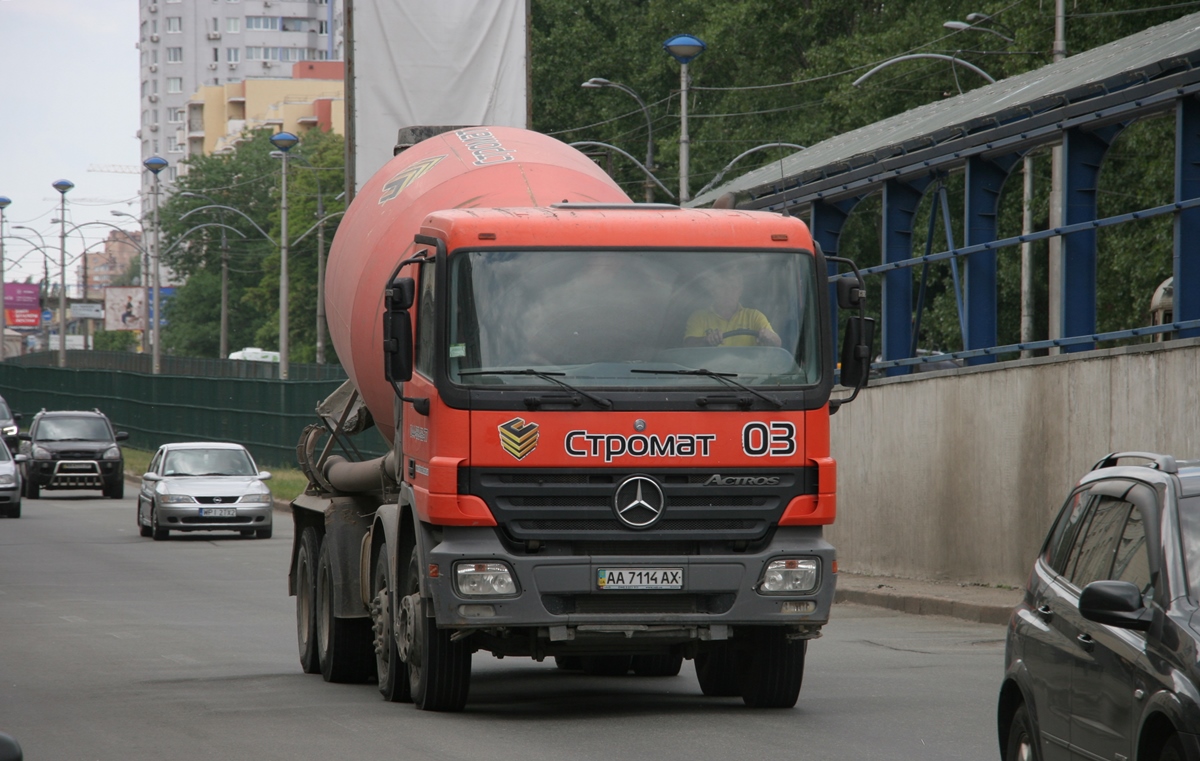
(987, 605)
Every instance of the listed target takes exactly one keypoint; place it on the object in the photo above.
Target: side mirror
(18, 458)
(122, 436)
(856, 351)
(263, 475)
(1115, 603)
(24, 437)
(151, 477)
(850, 293)
(397, 331)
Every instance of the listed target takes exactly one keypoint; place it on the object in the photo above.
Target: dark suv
(1101, 658)
(73, 450)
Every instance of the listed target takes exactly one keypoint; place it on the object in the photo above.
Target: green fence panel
(266, 415)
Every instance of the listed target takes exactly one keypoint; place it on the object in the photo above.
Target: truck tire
(390, 671)
(568, 662)
(306, 596)
(773, 668)
(657, 665)
(343, 644)
(607, 665)
(32, 490)
(717, 672)
(439, 670)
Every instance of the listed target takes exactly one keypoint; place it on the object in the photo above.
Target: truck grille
(636, 604)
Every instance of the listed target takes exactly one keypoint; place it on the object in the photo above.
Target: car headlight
(7, 479)
(9, 430)
(262, 494)
(175, 499)
(484, 580)
(112, 453)
(790, 576)
(40, 453)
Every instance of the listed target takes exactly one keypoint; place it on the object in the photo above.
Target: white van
(255, 354)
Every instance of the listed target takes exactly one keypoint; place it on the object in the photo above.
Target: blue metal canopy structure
(1081, 103)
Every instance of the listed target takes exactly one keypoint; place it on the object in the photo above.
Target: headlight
(9, 430)
(791, 576)
(175, 499)
(112, 453)
(41, 453)
(257, 495)
(484, 580)
(7, 479)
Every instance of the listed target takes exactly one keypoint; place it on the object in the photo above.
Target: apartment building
(187, 45)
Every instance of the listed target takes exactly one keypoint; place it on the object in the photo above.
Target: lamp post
(144, 279)
(4, 202)
(223, 352)
(45, 283)
(598, 82)
(284, 141)
(155, 164)
(62, 186)
(684, 48)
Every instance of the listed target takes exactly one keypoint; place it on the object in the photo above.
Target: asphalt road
(114, 647)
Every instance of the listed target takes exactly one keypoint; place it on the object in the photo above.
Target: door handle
(1045, 613)
(1086, 642)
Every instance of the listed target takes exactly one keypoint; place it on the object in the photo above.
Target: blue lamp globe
(62, 186)
(155, 164)
(684, 47)
(284, 141)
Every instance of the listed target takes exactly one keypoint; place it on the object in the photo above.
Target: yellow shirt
(704, 320)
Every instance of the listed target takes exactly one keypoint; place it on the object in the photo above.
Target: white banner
(419, 63)
(87, 311)
(124, 308)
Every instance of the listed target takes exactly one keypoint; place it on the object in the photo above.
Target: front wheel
(1020, 745)
(773, 668)
(158, 532)
(439, 669)
(14, 509)
(306, 595)
(390, 671)
(143, 529)
(343, 644)
(115, 490)
(32, 490)
(717, 672)
(657, 665)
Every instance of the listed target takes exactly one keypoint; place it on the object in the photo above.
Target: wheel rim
(304, 599)
(324, 609)
(1024, 748)
(381, 619)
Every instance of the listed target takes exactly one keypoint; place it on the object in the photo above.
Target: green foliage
(115, 340)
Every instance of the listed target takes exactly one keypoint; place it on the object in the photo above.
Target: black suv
(1101, 658)
(71, 449)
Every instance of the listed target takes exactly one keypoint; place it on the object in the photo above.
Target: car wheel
(263, 533)
(247, 532)
(1021, 745)
(32, 490)
(773, 670)
(143, 529)
(568, 662)
(306, 593)
(1172, 750)
(158, 532)
(343, 644)
(14, 510)
(439, 669)
(717, 672)
(607, 665)
(390, 671)
(657, 665)
(116, 490)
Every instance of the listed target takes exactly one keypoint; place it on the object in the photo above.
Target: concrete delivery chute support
(569, 476)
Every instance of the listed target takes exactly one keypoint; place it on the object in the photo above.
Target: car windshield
(1189, 531)
(72, 429)
(633, 318)
(208, 462)
(5, 455)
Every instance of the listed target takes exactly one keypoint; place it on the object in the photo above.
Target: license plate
(218, 512)
(639, 578)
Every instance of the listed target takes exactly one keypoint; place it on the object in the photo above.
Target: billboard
(417, 63)
(124, 308)
(22, 305)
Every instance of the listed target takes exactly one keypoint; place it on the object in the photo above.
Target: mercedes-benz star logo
(639, 502)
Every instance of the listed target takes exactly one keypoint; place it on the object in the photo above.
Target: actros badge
(639, 502)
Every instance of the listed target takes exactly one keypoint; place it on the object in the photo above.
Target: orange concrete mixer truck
(607, 430)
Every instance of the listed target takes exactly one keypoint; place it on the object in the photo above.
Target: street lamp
(156, 164)
(972, 24)
(62, 186)
(596, 83)
(4, 203)
(45, 283)
(224, 340)
(683, 48)
(284, 141)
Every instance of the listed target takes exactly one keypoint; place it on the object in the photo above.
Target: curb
(928, 605)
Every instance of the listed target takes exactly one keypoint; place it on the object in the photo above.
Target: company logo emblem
(518, 437)
(217, 500)
(639, 502)
(719, 480)
(397, 184)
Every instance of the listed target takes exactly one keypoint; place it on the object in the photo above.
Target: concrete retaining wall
(956, 475)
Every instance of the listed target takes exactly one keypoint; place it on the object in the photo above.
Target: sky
(69, 104)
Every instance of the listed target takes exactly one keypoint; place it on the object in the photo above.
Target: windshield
(208, 462)
(634, 318)
(73, 429)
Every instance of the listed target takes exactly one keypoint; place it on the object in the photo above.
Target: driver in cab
(725, 322)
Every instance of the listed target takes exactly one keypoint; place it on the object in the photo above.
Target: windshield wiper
(546, 376)
(724, 377)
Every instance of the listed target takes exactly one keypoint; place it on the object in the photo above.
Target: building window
(156, 146)
(263, 23)
(154, 56)
(262, 54)
(233, 55)
(174, 147)
(293, 54)
(154, 116)
(322, 27)
(216, 55)
(295, 25)
(175, 84)
(145, 118)
(154, 87)
(174, 24)
(145, 88)
(172, 175)
(174, 55)
(233, 25)
(175, 115)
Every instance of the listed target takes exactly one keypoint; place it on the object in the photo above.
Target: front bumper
(74, 474)
(561, 591)
(10, 493)
(188, 517)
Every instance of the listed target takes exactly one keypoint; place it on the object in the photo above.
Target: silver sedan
(204, 486)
